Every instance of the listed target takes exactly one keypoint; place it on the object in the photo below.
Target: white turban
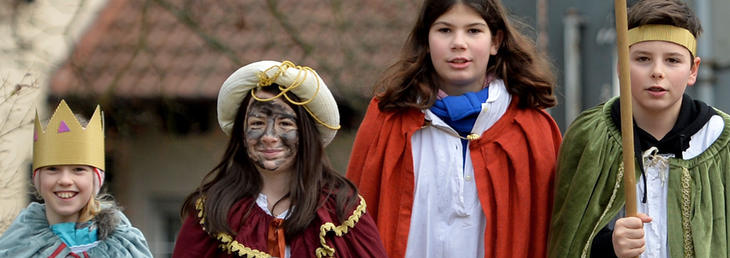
(304, 82)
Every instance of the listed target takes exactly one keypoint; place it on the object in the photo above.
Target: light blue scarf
(31, 236)
(73, 236)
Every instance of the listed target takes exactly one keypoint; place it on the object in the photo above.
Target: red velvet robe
(360, 240)
(514, 166)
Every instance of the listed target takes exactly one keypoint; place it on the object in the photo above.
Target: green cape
(589, 190)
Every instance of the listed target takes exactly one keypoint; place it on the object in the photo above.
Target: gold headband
(668, 33)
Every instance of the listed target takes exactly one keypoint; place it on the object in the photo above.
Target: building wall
(720, 56)
(596, 78)
(154, 173)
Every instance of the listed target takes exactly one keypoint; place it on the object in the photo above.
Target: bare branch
(16, 105)
(141, 44)
(185, 18)
(75, 17)
(290, 30)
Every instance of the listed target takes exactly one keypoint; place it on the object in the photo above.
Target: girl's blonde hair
(93, 207)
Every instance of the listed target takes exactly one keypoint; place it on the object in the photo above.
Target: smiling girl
(455, 156)
(274, 193)
(73, 220)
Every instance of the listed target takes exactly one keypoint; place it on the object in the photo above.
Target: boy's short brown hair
(668, 12)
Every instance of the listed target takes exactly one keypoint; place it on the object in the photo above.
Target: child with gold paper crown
(682, 151)
(73, 221)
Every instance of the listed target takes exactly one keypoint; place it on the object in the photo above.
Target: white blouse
(263, 203)
(447, 218)
(656, 170)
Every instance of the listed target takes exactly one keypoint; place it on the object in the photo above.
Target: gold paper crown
(65, 142)
(674, 34)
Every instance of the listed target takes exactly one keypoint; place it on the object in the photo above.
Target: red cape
(514, 167)
(360, 239)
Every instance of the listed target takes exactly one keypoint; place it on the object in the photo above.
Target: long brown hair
(412, 81)
(236, 177)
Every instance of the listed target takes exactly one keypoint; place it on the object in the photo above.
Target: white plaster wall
(156, 172)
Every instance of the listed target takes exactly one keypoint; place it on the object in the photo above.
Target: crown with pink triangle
(65, 142)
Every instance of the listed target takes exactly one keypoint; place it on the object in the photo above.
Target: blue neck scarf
(461, 112)
(73, 236)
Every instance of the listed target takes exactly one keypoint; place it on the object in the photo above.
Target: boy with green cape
(681, 146)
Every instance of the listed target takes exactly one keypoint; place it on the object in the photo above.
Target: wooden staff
(627, 127)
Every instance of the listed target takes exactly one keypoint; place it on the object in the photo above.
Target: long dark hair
(236, 177)
(412, 81)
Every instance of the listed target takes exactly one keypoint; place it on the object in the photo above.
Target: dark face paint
(271, 135)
